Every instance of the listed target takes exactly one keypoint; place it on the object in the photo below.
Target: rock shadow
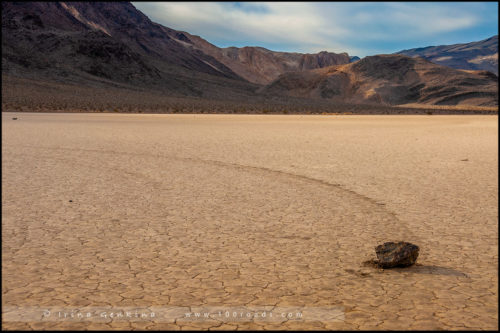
(417, 269)
(430, 269)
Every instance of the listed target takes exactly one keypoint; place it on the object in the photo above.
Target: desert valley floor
(182, 212)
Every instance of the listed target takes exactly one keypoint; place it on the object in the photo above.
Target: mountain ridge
(479, 55)
(391, 80)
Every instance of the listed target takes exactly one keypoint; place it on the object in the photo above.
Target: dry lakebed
(174, 214)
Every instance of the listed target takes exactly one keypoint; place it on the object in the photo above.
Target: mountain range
(105, 45)
(482, 55)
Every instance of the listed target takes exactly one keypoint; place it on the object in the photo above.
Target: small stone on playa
(71, 201)
(14, 118)
(392, 254)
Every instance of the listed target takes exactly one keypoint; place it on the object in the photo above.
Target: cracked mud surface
(185, 211)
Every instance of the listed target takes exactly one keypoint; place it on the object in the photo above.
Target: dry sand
(174, 211)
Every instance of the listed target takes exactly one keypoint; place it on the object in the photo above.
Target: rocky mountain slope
(481, 55)
(391, 80)
(108, 43)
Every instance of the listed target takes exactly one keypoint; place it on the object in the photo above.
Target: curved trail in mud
(396, 223)
(270, 204)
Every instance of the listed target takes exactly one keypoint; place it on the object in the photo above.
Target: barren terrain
(174, 212)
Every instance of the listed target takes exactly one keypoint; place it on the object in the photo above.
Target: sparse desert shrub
(32, 95)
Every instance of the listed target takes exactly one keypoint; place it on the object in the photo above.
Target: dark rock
(71, 201)
(392, 254)
(14, 118)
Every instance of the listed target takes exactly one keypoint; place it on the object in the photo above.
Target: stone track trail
(153, 229)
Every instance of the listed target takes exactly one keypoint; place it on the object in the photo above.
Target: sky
(358, 28)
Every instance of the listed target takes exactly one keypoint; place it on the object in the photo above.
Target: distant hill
(482, 55)
(260, 65)
(391, 80)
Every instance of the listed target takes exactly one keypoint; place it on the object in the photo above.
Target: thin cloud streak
(332, 26)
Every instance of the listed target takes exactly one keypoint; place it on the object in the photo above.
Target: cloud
(357, 28)
(425, 18)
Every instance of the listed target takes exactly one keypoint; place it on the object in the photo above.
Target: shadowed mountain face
(391, 80)
(105, 42)
(482, 55)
